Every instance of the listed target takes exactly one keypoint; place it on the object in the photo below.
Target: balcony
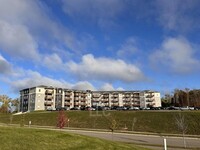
(149, 100)
(83, 100)
(115, 104)
(67, 103)
(76, 103)
(95, 100)
(77, 94)
(96, 95)
(135, 100)
(49, 92)
(127, 104)
(48, 103)
(68, 98)
(136, 105)
(136, 96)
(76, 99)
(115, 95)
(150, 104)
(127, 100)
(149, 96)
(68, 94)
(48, 97)
(82, 104)
(83, 95)
(127, 96)
(105, 100)
(115, 101)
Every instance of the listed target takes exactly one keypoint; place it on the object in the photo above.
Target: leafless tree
(182, 125)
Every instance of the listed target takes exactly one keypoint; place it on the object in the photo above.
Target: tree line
(182, 98)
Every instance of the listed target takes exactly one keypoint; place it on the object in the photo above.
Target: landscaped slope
(34, 139)
(145, 121)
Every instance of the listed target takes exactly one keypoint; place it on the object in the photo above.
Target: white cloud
(128, 48)
(5, 67)
(32, 78)
(83, 85)
(101, 12)
(177, 55)
(109, 87)
(53, 62)
(178, 14)
(17, 41)
(105, 69)
(28, 27)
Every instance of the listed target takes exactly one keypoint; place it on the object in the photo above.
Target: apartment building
(47, 97)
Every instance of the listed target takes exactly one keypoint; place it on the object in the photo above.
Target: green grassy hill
(35, 139)
(145, 121)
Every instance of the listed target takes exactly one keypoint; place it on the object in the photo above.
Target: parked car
(60, 108)
(106, 108)
(121, 108)
(134, 108)
(75, 108)
(90, 108)
(196, 108)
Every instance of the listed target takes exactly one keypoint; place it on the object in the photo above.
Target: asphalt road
(142, 139)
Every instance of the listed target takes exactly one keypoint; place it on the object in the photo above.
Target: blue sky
(99, 44)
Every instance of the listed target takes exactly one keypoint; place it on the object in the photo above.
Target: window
(39, 90)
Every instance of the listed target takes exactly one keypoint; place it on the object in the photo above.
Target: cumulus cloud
(109, 87)
(177, 55)
(83, 85)
(105, 69)
(33, 78)
(53, 61)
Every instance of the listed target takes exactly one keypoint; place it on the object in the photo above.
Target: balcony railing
(82, 104)
(68, 98)
(76, 99)
(67, 103)
(76, 103)
(68, 94)
(115, 104)
(114, 101)
(96, 95)
(48, 103)
(48, 97)
(48, 91)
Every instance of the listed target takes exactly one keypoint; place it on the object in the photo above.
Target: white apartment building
(45, 97)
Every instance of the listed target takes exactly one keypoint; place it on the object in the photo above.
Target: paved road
(142, 139)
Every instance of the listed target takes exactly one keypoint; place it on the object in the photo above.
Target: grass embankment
(144, 121)
(35, 139)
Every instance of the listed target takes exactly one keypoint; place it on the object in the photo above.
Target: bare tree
(112, 124)
(182, 125)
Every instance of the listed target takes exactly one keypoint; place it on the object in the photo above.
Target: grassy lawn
(35, 139)
(145, 121)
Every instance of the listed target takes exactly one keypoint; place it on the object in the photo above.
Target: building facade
(45, 97)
